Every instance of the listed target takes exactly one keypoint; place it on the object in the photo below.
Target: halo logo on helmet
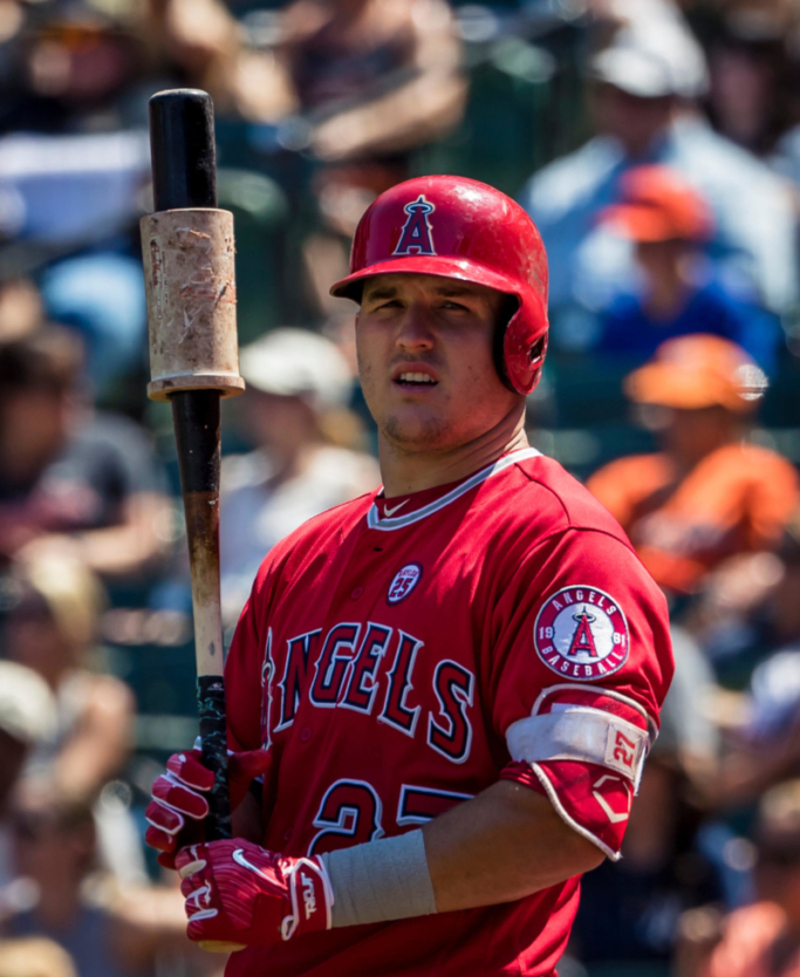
(482, 236)
(415, 236)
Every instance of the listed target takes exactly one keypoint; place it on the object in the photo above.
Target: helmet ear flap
(524, 346)
(509, 311)
(537, 354)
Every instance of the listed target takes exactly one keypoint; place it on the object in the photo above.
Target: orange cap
(658, 205)
(692, 372)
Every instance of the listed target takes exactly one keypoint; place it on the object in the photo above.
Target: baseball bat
(188, 255)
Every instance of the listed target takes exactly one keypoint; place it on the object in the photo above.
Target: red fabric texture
(381, 662)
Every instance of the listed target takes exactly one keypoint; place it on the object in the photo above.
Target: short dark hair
(50, 358)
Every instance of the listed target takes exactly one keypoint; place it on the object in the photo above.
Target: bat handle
(196, 414)
(213, 737)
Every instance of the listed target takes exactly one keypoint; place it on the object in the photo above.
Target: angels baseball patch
(581, 633)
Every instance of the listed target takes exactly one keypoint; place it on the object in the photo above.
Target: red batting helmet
(459, 228)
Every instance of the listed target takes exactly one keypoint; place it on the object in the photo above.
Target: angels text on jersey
(369, 668)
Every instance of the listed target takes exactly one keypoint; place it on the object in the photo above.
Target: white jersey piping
(374, 520)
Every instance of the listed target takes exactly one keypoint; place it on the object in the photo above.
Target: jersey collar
(385, 523)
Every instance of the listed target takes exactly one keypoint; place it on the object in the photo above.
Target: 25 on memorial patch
(581, 633)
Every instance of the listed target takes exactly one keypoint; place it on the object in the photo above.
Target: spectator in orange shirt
(707, 495)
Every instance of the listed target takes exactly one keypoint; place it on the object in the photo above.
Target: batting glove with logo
(176, 813)
(239, 893)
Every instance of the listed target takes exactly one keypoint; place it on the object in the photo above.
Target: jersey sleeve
(581, 662)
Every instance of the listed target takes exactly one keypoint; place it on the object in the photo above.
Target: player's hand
(239, 893)
(177, 812)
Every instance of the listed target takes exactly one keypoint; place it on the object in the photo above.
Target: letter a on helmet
(459, 228)
(415, 237)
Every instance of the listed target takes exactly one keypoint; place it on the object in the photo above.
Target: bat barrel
(188, 253)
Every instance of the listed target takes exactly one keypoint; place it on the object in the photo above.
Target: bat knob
(182, 149)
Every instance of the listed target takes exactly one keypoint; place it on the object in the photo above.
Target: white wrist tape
(580, 733)
(380, 880)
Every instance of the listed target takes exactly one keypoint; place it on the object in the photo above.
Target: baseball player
(441, 694)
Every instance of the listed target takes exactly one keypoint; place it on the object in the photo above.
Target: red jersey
(391, 656)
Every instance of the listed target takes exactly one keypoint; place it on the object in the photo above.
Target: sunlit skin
(35, 426)
(433, 433)
(35, 640)
(692, 435)
(667, 266)
(636, 122)
(98, 744)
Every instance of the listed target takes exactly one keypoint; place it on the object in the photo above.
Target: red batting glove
(178, 809)
(239, 893)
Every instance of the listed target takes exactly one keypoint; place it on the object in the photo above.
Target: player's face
(425, 360)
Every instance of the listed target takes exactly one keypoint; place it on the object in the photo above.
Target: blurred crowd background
(658, 149)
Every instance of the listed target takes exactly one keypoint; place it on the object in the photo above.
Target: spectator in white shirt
(644, 84)
(294, 412)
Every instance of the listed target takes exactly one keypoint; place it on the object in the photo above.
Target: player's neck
(404, 472)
